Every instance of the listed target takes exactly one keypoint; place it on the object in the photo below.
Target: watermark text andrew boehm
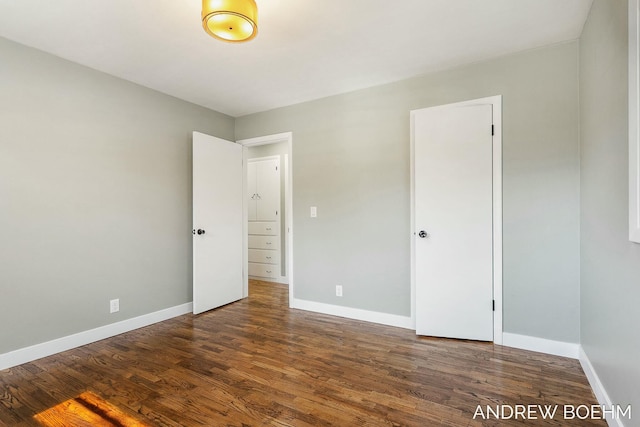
(551, 412)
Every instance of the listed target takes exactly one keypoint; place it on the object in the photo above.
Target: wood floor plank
(258, 363)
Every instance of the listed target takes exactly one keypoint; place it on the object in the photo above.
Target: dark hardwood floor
(257, 363)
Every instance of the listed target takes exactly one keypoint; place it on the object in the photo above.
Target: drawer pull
(268, 257)
(268, 229)
(268, 243)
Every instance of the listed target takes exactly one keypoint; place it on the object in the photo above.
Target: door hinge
(494, 305)
(492, 130)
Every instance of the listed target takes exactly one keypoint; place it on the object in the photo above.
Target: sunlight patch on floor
(87, 409)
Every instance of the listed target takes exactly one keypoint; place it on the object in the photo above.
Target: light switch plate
(314, 211)
(114, 305)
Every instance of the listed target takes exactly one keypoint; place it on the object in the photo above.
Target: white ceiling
(305, 49)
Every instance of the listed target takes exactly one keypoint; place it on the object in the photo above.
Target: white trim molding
(267, 139)
(541, 345)
(354, 313)
(280, 279)
(634, 128)
(38, 351)
(598, 389)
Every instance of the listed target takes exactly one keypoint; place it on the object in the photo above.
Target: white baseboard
(598, 389)
(28, 354)
(281, 279)
(558, 348)
(354, 313)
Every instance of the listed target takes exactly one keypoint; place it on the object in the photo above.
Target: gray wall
(279, 149)
(610, 263)
(96, 192)
(95, 197)
(351, 160)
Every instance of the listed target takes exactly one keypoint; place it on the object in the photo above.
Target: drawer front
(264, 256)
(263, 270)
(264, 242)
(263, 228)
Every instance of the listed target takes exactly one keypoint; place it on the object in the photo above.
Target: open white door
(453, 197)
(218, 198)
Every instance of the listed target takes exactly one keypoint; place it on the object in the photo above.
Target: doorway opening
(268, 234)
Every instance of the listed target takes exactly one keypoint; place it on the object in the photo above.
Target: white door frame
(496, 102)
(288, 195)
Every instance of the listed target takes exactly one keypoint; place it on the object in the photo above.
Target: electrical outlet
(338, 290)
(114, 305)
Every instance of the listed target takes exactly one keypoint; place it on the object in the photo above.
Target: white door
(218, 197)
(252, 191)
(268, 183)
(453, 176)
(263, 188)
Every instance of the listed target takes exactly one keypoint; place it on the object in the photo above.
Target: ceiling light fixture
(230, 20)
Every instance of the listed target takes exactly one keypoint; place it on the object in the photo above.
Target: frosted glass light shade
(230, 20)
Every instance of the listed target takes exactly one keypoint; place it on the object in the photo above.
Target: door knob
(422, 234)
(200, 231)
